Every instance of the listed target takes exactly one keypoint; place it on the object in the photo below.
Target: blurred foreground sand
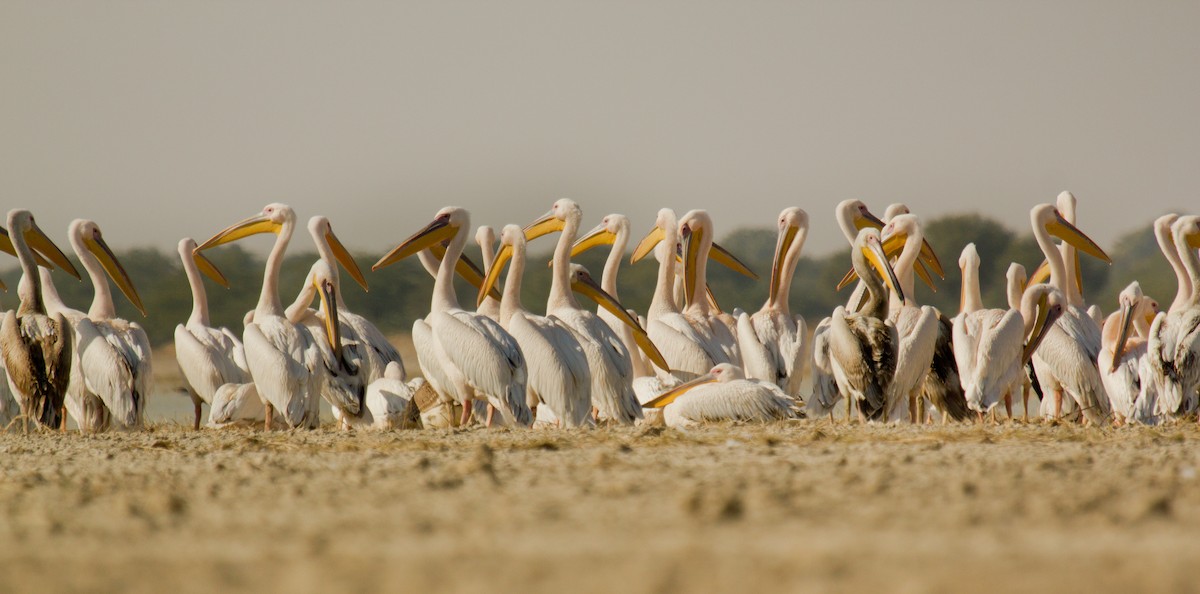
(791, 506)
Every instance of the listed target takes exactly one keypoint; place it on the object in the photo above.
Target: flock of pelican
(686, 361)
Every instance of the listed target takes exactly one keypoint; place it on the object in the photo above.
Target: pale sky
(161, 119)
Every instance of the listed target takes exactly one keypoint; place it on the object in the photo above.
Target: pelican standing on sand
(1174, 346)
(862, 346)
(610, 362)
(1123, 345)
(277, 350)
(558, 373)
(462, 354)
(208, 357)
(773, 342)
(36, 347)
(1066, 360)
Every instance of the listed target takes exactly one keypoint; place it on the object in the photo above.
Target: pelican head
(721, 373)
(21, 222)
(1186, 231)
(605, 233)
(322, 278)
(1045, 304)
(187, 249)
(894, 210)
(563, 210)
(1050, 218)
(319, 226)
(868, 253)
(969, 258)
(663, 221)
(1128, 301)
(444, 227)
(272, 219)
(583, 283)
(854, 216)
(485, 235)
(512, 241)
(695, 235)
(88, 233)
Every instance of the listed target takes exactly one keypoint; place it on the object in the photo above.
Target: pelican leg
(849, 409)
(978, 414)
(196, 409)
(1008, 404)
(945, 417)
(1058, 399)
(62, 424)
(466, 414)
(595, 415)
(1025, 402)
(270, 413)
(491, 413)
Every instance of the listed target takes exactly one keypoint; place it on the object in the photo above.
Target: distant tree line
(400, 293)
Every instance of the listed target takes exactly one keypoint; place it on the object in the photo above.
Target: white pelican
(614, 230)
(387, 404)
(36, 347)
(773, 342)
(485, 238)
(1123, 345)
(696, 235)
(462, 354)
(558, 368)
(990, 345)
(278, 352)
(724, 394)
(1066, 361)
(1175, 337)
(853, 216)
(862, 346)
(374, 348)
(917, 327)
(208, 357)
(610, 362)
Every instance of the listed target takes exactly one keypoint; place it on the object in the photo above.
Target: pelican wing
(277, 361)
(917, 330)
(943, 385)
(737, 400)
(107, 372)
(37, 355)
(864, 349)
(377, 351)
(825, 393)
(997, 364)
(386, 402)
(610, 363)
(1072, 363)
(488, 357)
(558, 372)
(208, 359)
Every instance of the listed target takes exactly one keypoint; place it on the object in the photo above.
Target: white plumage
(724, 394)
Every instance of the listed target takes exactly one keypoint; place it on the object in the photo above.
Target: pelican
(387, 404)
(614, 230)
(917, 327)
(853, 216)
(485, 238)
(374, 348)
(610, 362)
(862, 346)
(696, 235)
(278, 351)
(1066, 360)
(990, 345)
(558, 373)
(463, 354)
(208, 357)
(1123, 344)
(724, 394)
(1175, 336)
(773, 341)
(36, 347)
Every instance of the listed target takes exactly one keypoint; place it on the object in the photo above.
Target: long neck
(560, 284)
(1192, 264)
(876, 304)
(268, 300)
(29, 289)
(444, 297)
(199, 296)
(510, 300)
(1058, 272)
(904, 268)
(1070, 262)
(663, 301)
(487, 249)
(50, 293)
(971, 299)
(612, 265)
(1162, 233)
(326, 254)
(779, 301)
(700, 304)
(102, 301)
(430, 262)
(1014, 294)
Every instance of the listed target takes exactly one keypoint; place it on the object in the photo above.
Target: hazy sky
(164, 119)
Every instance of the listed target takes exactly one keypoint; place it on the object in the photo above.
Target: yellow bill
(600, 236)
(429, 236)
(503, 255)
(647, 244)
(209, 269)
(583, 283)
(1067, 232)
(345, 259)
(99, 248)
(37, 239)
(545, 225)
(7, 246)
(245, 228)
(671, 395)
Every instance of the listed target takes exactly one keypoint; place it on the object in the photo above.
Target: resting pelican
(374, 348)
(278, 352)
(485, 238)
(610, 362)
(1174, 344)
(558, 368)
(462, 354)
(387, 404)
(862, 346)
(1066, 361)
(1123, 346)
(773, 342)
(208, 357)
(724, 394)
(614, 230)
(36, 347)
(990, 345)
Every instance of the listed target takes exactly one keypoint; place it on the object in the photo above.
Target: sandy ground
(792, 506)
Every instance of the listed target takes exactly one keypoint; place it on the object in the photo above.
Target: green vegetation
(399, 294)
